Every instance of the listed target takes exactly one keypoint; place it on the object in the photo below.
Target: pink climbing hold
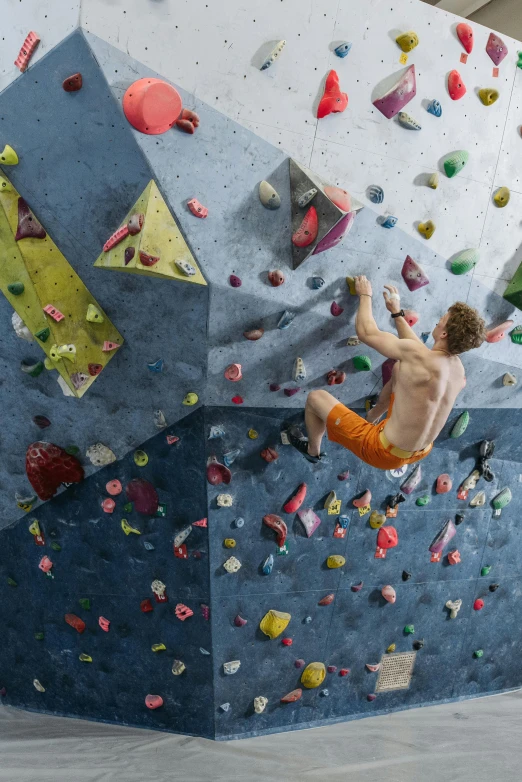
(389, 594)
(465, 33)
(152, 106)
(335, 309)
(363, 500)
(297, 500)
(478, 605)
(239, 621)
(441, 540)
(153, 701)
(113, 487)
(172, 439)
(339, 197)
(496, 48)
(331, 668)
(188, 121)
(454, 557)
(276, 524)
(200, 523)
(143, 495)
(499, 332)
(335, 377)
(343, 476)
(115, 238)
(183, 612)
(357, 587)
(456, 86)
(276, 278)
(108, 346)
(104, 624)
(333, 100)
(253, 334)
(336, 234)
(205, 611)
(444, 483)
(237, 400)
(197, 209)
(413, 275)
(291, 391)
(274, 387)
(45, 564)
(26, 52)
(371, 697)
(299, 663)
(308, 230)
(53, 312)
(108, 505)
(235, 281)
(217, 473)
(411, 317)
(387, 369)
(233, 372)
(292, 697)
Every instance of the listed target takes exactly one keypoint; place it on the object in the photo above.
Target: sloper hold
(403, 91)
(460, 425)
(441, 540)
(412, 481)
(387, 537)
(501, 197)
(292, 697)
(297, 500)
(152, 106)
(309, 519)
(456, 86)
(488, 96)
(274, 623)
(435, 108)
(73, 83)
(333, 100)
(313, 675)
(268, 196)
(308, 230)
(465, 261)
(28, 225)
(8, 157)
(157, 246)
(454, 164)
(496, 48)
(413, 275)
(143, 495)
(407, 41)
(465, 34)
(48, 466)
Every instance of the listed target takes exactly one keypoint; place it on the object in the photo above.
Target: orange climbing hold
(326, 600)
(75, 621)
(113, 487)
(333, 100)
(292, 697)
(27, 51)
(188, 121)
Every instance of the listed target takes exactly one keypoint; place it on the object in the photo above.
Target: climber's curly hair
(465, 328)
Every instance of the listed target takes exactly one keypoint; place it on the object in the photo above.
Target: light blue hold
(286, 319)
(343, 49)
(317, 282)
(376, 194)
(389, 222)
(307, 620)
(268, 564)
(435, 108)
(148, 545)
(156, 366)
(215, 432)
(239, 522)
(344, 521)
(229, 457)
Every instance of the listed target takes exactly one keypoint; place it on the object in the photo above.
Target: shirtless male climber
(418, 398)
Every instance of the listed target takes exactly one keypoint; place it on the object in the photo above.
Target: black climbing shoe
(300, 442)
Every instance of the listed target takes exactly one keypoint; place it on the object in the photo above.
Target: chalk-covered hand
(392, 298)
(363, 286)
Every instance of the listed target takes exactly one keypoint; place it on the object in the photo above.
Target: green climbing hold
(409, 630)
(516, 335)
(16, 288)
(128, 507)
(460, 425)
(455, 163)
(485, 570)
(55, 546)
(43, 335)
(424, 500)
(465, 261)
(33, 369)
(39, 636)
(72, 450)
(85, 603)
(362, 363)
(519, 63)
(513, 292)
(161, 511)
(478, 653)
(502, 499)
(11, 582)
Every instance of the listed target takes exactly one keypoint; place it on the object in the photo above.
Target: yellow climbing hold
(85, 658)
(350, 281)
(140, 458)
(4, 185)
(158, 647)
(335, 560)
(8, 157)
(191, 399)
(253, 434)
(48, 363)
(426, 229)
(501, 197)
(313, 675)
(408, 41)
(34, 528)
(126, 527)
(377, 519)
(403, 59)
(433, 181)
(229, 543)
(93, 314)
(391, 648)
(488, 96)
(274, 622)
(67, 351)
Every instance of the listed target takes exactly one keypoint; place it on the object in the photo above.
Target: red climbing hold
(28, 225)
(278, 525)
(335, 377)
(188, 121)
(411, 317)
(276, 278)
(387, 537)
(146, 605)
(253, 334)
(27, 51)
(197, 209)
(73, 83)
(183, 612)
(297, 500)
(326, 600)
(465, 33)
(444, 484)
(292, 697)
(200, 523)
(291, 391)
(235, 281)
(307, 231)
(456, 86)
(104, 623)
(148, 260)
(237, 400)
(48, 466)
(217, 473)
(94, 369)
(269, 455)
(143, 495)
(333, 100)
(180, 552)
(76, 622)
(274, 387)
(153, 701)
(478, 605)
(151, 105)
(336, 309)
(115, 238)
(286, 641)
(344, 672)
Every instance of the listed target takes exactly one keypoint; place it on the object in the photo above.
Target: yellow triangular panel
(160, 236)
(48, 278)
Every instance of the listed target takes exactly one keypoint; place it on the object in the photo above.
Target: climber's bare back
(425, 383)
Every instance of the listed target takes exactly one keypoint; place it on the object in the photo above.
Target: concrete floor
(473, 741)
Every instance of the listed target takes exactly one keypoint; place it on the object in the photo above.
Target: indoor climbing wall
(124, 587)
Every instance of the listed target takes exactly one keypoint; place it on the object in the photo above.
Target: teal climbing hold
(460, 425)
(16, 288)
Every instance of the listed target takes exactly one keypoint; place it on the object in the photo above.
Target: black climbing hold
(406, 575)
(459, 518)
(418, 644)
(395, 500)
(493, 587)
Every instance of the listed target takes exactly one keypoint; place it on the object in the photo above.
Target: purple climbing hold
(291, 391)
(235, 281)
(299, 663)
(371, 697)
(331, 668)
(28, 225)
(343, 476)
(357, 587)
(337, 233)
(143, 495)
(336, 309)
(129, 255)
(412, 481)
(443, 538)
(399, 95)
(239, 621)
(309, 520)
(41, 421)
(274, 387)
(413, 275)
(496, 48)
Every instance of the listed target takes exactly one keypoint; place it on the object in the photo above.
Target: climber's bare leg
(382, 404)
(317, 409)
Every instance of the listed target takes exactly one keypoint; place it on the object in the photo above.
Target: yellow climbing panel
(160, 237)
(48, 278)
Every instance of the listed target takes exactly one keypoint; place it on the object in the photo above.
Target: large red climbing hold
(48, 466)
(188, 121)
(333, 100)
(465, 33)
(151, 106)
(297, 500)
(143, 495)
(278, 525)
(27, 51)
(456, 86)
(387, 537)
(28, 225)
(76, 622)
(217, 473)
(307, 231)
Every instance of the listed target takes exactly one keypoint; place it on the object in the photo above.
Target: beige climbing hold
(260, 704)
(454, 607)
(353, 342)
(433, 181)
(426, 229)
(335, 561)
(268, 196)
(478, 500)
(231, 667)
(471, 480)
(299, 370)
(274, 622)
(178, 667)
(224, 500)
(488, 96)
(38, 686)
(501, 197)
(313, 675)
(232, 565)
(332, 497)
(509, 379)
(100, 455)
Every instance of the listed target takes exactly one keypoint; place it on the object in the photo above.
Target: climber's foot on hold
(300, 442)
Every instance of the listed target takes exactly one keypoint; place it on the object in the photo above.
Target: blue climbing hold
(239, 522)
(216, 431)
(317, 282)
(286, 319)
(229, 457)
(343, 49)
(344, 521)
(156, 366)
(425, 336)
(376, 194)
(435, 108)
(389, 222)
(268, 564)
(148, 545)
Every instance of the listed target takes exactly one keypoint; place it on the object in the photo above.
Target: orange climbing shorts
(368, 441)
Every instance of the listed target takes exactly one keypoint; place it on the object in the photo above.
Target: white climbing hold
(231, 667)
(181, 537)
(299, 369)
(20, 328)
(232, 565)
(273, 56)
(260, 704)
(224, 500)
(407, 121)
(100, 455)
(509, 379)
(268, 196)
(38, 686)
(433, 181)
(478, 500)
(185, 268)
(454, 607)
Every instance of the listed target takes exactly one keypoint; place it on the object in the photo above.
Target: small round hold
(140, 458)
(235, 281)
(336, 309)
(190, 399)
(501, 197)
(276, 278)
(113, 487)
(307, 620)
(254, 334)
(478, 605)
(286, 641)
(324, 693)
(108, 505)
(418, 644)
(229, 543)
(299, 663)
(407, 41)
(274, 387)
(371, 697)
(252, 434)
(435, 108)
(331, 668)
(376, 194)
(268, 196)
(239, 522)
(509, 379)
(493, 587)
(317, 282)
(478, 653)
(233, 372)
(153, 701)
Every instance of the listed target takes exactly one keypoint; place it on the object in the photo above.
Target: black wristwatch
(399, 314)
